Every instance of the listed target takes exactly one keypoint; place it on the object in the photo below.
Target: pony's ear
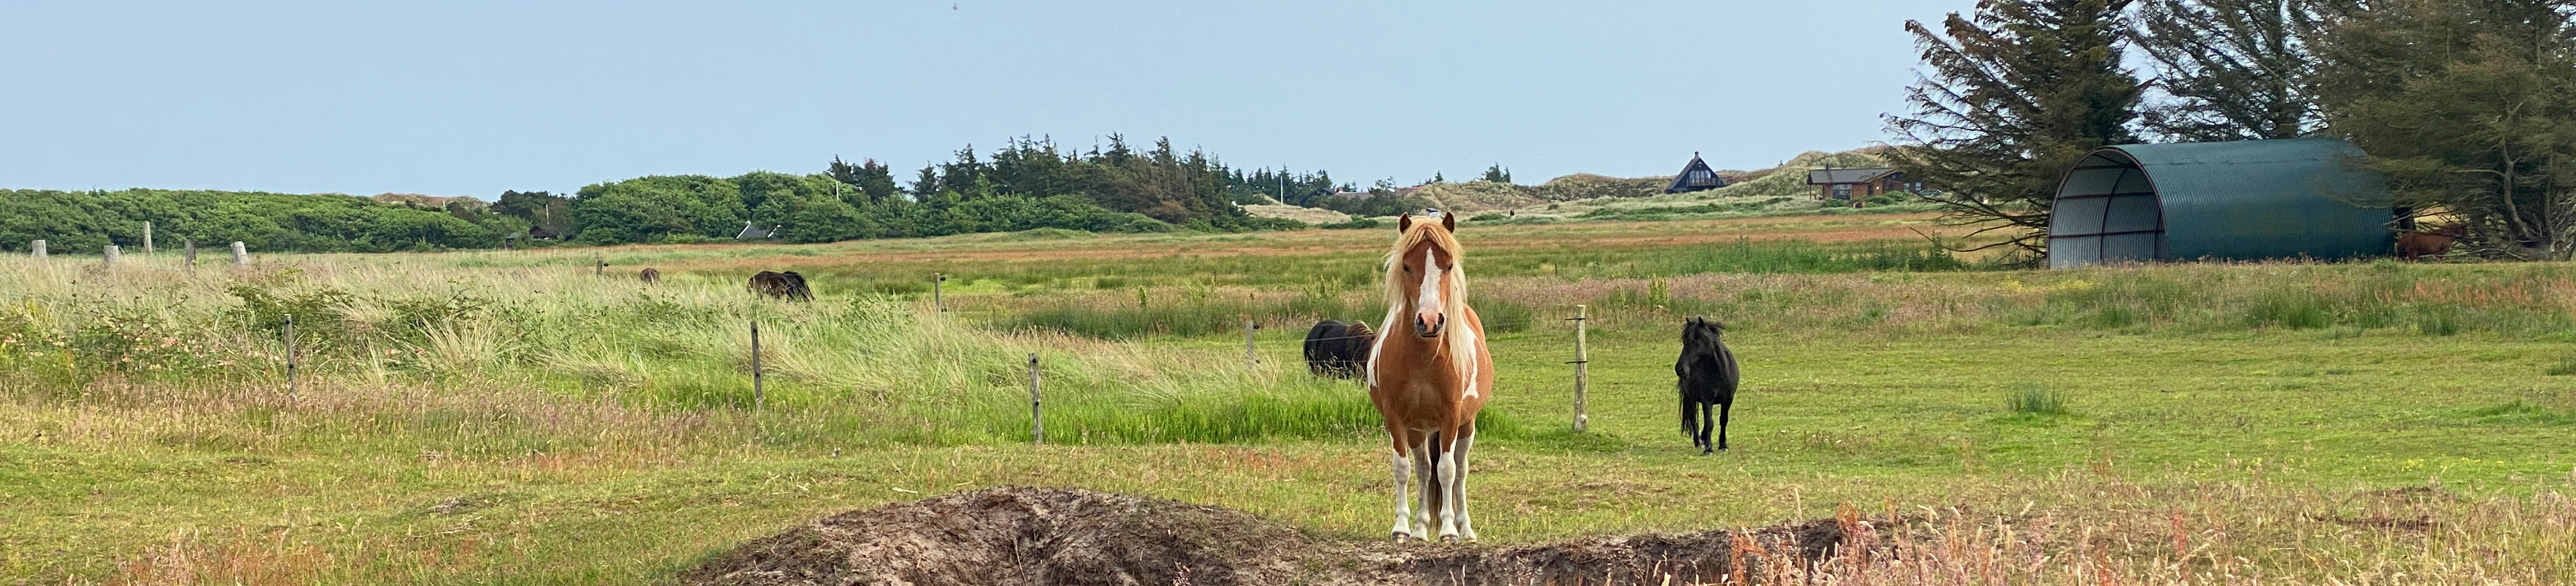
(1449, 222)
(1404, 222)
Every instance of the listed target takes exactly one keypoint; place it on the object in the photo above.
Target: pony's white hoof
(1400, 537)
(1449, 539)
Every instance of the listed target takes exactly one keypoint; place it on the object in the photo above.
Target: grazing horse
(787, 285)
(650, 275)
(1338, 350)
(1429, 379)
(2417, 245)
(1708, 378)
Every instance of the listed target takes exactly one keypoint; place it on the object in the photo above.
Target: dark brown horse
(1338, 350)
(1430, 379)
(2434, 242)
(787, 285)
(650, 276)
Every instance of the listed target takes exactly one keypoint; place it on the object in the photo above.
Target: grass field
(508, 418)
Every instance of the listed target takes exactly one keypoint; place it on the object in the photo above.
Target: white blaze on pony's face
(1427, 307)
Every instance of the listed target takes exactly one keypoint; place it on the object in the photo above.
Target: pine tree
(1497, 174)
(2466, 105)
(873, 180)
(2015, 96)
(927, 183)
(2230, 69)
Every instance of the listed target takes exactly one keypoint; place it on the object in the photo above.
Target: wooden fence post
(241, 256)
(38, 248)
(190, 250)
(936, 280)
(111, 255)
(1037, 416)
(290, 359)
(1251, 360)
(147, 239)
(759, 397)
(1582, 368)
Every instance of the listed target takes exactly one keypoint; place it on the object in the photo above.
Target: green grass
(523, 424)
(2036, 401)
(2565, 366)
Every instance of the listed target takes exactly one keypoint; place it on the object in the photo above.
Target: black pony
(787, 285)
(1338, 350)
(1708, 377)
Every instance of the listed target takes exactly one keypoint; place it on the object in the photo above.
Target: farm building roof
(2243, 200)
(1839, 176)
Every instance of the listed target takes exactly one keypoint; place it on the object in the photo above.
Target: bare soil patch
(1074, 536)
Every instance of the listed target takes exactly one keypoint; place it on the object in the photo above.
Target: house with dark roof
(1859, 184)
(1695, 176)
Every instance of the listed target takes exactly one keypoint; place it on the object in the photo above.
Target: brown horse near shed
(2417, 245)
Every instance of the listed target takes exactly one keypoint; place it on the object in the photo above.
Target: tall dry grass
(527, 344)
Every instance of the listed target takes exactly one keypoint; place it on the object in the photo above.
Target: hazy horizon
(473, 98)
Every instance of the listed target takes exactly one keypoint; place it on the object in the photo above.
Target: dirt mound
(1073, 536)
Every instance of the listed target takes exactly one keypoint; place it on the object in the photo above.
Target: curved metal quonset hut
(2245, 200)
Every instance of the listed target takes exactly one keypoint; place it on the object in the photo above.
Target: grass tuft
(2032, 400)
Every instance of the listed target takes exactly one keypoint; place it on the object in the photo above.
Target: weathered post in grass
(147, 239)
(1582, 368)
(290, 359)
(1251, 360)
(241, 256)
(937, 279)
(1037, 416)
(189, 249)
(111, 255)
(599, 268)
(759, 398)
(37, 249)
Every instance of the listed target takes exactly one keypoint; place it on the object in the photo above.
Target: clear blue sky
(471, 98)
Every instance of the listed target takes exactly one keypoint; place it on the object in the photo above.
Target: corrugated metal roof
(2242, 200)
(1835, 176)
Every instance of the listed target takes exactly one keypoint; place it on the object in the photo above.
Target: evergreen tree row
(1027, 184)
(2465, 104)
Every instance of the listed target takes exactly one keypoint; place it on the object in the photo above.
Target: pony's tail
(1690, 419)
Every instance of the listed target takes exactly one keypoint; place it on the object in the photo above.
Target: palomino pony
(1431, 378)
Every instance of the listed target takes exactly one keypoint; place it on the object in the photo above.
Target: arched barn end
(2245, 200)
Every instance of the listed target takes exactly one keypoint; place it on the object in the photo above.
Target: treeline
(86, 221)
(1027, 184)
(2468, 106)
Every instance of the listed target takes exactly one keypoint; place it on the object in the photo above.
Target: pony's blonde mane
(1459, 347)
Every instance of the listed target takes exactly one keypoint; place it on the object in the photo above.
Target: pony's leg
(1706, 421)
(1722, 409)
(1448, 470)
(1403, 517)
(1458, 490)
(1426, 517)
